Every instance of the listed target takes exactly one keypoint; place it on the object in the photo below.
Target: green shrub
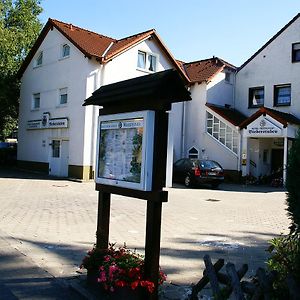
(293, 184)
(285, 260)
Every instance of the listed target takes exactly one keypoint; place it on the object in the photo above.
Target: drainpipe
(285, 155)
(183, 127)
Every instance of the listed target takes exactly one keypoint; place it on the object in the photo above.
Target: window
(65, 50)
(146, 61)
(56, 148)
(282, 95)
(39, 59)
(152, 63)
(63, 96)
(36, 101)
(228, 77)
(193, 153)
(256, 97)
(141, 60)
(296, 52)
(222, 132)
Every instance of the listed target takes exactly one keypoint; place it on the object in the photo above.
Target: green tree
(19, 28)
(293, 184)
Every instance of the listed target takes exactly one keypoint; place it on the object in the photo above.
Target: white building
(244, 118)
(66, 64)
(212, 87)
(268, 92)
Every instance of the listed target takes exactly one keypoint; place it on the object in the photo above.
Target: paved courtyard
(54, 222)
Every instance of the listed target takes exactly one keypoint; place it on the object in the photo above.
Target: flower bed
(116, 268)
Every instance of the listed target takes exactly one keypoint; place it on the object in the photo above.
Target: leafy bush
(285, 260)
(293, 184)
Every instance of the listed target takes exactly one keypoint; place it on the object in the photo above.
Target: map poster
(120, 153)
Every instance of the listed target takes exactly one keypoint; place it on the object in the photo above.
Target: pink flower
(102, 277)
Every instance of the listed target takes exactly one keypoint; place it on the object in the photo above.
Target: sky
(192, 29)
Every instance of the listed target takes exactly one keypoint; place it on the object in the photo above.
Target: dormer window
(146, 61)
(65, 50)
(296, 52)
(39, 59)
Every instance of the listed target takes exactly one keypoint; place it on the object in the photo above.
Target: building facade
(245, 118)
(67, 63)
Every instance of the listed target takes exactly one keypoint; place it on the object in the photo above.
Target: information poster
(120, 153)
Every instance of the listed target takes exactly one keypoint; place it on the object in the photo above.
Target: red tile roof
(231, 115)
(205, 70)
(281, 117)
(92, 44)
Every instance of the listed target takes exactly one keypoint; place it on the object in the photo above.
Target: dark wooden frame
(154, 92)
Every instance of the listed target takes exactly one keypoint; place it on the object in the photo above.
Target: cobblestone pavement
(54, 222)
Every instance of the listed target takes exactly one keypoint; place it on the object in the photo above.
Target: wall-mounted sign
(47, 123)
(125, 150)
(263, 127)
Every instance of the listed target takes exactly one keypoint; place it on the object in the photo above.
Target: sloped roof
(269, 42)
(204, 70)
(157, 90)
(231, 115)
(92, 44)
(281, 117)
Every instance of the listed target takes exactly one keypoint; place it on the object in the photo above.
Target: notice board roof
(154, 91)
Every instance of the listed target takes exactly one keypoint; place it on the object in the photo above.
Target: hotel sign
(263, 127)
(47, 123)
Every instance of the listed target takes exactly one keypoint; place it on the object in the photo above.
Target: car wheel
(187, 181)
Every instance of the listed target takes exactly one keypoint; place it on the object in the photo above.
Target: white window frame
(63, 47)
(193, 154)
(222, 132)
(63, 91)
(36, 96)
(39, 59)
(147, 62)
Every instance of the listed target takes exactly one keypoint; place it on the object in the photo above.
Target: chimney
(71, 27)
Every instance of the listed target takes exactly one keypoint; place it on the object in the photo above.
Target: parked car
(193, 171)
(8, 153)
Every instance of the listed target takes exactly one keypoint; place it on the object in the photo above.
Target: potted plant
(119, 270)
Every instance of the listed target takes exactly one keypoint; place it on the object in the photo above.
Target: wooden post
(154, 209)
(102, 234)
(152, 245)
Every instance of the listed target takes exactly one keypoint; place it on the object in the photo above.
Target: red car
(193, 172)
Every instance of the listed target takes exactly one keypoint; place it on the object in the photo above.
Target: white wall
(219, 91)
(195, 118)
(55, 73)
(124, 66)
(270, 67)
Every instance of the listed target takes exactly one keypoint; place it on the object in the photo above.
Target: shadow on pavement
(231, 187)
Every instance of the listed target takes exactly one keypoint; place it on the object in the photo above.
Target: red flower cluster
(122, 267)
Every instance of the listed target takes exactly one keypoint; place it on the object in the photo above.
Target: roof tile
(205, 70)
